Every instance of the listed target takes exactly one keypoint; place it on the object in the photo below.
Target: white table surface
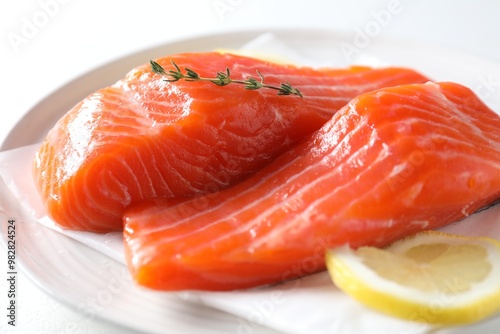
(76, 36)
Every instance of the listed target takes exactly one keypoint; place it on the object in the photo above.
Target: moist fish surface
(145, 138)
(390, 163)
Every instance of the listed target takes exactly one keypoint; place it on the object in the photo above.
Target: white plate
(97, 286)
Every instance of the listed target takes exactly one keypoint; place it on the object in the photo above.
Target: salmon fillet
(390, 163)
(145, 138)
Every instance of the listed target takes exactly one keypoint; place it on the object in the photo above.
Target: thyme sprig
(222, 79)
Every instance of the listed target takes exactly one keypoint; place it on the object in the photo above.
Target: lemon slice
(430, 277)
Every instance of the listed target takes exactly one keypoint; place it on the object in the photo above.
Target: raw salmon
(145, 138)
(390, 163)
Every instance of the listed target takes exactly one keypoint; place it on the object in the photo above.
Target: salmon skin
(390, 163)
(146, 138)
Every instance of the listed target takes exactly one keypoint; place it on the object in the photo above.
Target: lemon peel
(430, 277)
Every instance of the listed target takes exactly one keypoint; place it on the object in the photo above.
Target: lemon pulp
(430, 277)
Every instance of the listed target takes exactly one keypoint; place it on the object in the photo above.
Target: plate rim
(206, 39)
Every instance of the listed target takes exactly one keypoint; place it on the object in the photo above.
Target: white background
(45, 43)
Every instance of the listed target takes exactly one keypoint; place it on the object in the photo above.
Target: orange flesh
(145, 138)
(390, 163)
